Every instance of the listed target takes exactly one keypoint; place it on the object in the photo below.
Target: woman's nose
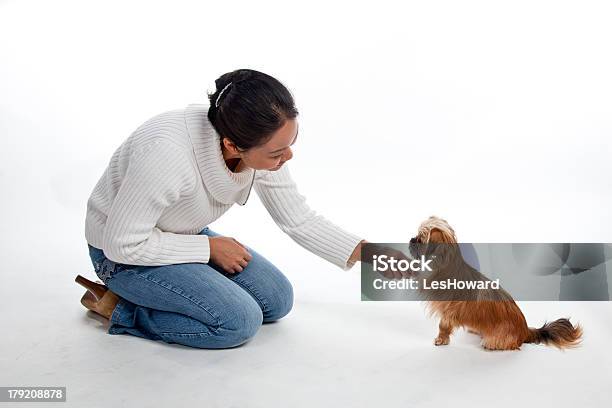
(288, 154)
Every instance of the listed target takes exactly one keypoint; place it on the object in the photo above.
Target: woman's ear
(230, 146)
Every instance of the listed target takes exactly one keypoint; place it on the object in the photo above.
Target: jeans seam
(215, 330)
(117, 313)
(200, 334)
(253, 294)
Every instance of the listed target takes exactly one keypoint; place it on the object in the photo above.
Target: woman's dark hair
(251, 109)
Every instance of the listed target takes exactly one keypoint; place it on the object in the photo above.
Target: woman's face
(272, 154)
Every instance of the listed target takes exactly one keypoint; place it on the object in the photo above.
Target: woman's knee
(280, 300)
(241, 322)
(238, 323)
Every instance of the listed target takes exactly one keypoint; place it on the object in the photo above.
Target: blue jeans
(194, 304)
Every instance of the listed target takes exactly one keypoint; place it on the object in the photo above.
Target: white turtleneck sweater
(168, 180)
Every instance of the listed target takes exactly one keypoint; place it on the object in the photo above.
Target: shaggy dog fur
(489, 313)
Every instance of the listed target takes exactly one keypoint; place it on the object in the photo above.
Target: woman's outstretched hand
(229, 254)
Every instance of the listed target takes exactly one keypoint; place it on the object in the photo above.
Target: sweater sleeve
(288, 208)
(156, 176)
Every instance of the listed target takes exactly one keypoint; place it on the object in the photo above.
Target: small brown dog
(490, 313)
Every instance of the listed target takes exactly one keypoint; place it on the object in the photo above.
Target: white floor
(331, 350)
(321, 354)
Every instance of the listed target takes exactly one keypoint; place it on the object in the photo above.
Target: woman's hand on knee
(229, 254)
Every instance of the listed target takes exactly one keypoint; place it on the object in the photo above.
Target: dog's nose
(413, 240)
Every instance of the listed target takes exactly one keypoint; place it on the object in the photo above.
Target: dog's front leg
(446, 329)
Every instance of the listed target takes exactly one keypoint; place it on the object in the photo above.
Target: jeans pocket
(107, 268)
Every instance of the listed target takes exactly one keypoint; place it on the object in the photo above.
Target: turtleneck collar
(225, 186)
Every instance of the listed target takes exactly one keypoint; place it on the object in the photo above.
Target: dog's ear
(450, 237)
(436, 236)
(440, 236)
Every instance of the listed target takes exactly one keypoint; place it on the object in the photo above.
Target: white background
(494, 115)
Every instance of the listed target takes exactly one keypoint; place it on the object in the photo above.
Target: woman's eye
(276, 157)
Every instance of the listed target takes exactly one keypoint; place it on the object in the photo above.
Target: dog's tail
(560, 333)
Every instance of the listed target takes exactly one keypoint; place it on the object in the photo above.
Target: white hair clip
(220, 93)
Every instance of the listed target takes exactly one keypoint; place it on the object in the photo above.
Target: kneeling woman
(166, 276)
